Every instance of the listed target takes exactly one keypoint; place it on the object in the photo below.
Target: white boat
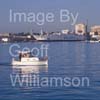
(60, 37)
(40, 36)
(95, 41)
(26, 59)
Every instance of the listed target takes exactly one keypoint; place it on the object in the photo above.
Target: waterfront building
(4, 34)
(80, 29)
(95, 32)
(95, 29)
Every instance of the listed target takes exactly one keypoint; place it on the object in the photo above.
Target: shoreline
(53, 41)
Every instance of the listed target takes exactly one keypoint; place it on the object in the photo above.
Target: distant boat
(26, 59)
(59, 37)
(98, 41)
(40, 36)
(65, 37)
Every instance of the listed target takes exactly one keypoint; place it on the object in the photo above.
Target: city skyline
(86, 9)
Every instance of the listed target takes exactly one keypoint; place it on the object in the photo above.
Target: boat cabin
(24, 55)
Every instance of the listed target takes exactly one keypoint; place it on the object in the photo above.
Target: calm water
(77, 59)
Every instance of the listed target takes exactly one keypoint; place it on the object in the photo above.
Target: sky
(86, 9)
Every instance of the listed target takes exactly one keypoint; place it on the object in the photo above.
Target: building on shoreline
(16, 37)
(95, 32)
(80, 29)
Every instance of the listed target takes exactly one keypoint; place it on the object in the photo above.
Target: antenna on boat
(88, 37)
(41, 32)
(86, 26)
(31, 32)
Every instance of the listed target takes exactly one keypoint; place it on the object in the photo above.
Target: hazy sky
(87, 9)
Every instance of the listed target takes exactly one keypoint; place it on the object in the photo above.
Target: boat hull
(61, 37)
(36, 63)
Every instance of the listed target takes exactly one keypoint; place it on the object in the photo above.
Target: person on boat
(20, 56)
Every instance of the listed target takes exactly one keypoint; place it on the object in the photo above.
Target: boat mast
(87, 32)
(86, 26)
(41, 33)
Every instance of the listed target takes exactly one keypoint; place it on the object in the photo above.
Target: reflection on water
(27, 76)
(29, 69)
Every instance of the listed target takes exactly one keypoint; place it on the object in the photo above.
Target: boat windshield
(24, 55)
